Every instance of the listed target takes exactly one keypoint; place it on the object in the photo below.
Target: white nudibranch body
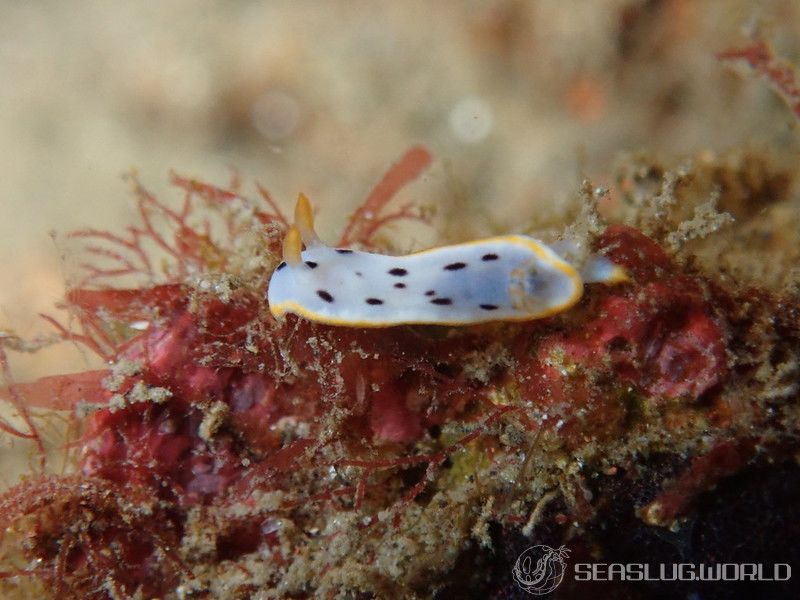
(507, 278)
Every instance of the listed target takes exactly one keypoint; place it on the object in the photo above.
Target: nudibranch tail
(304, 221)
(292, 247)
(594, 268)
(599, 269)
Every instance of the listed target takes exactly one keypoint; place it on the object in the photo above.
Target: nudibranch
(506, 278)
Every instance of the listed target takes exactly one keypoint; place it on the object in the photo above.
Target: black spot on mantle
(456, 266)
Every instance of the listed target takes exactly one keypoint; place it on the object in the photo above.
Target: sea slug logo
(540, 569)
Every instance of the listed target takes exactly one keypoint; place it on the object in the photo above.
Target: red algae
(319, 460)
(704, 473)
(781, 75)
(662, 336)
(82, 525)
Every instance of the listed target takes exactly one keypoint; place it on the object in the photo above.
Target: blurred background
(517, 100)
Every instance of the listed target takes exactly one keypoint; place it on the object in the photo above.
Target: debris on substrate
(226, 455)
